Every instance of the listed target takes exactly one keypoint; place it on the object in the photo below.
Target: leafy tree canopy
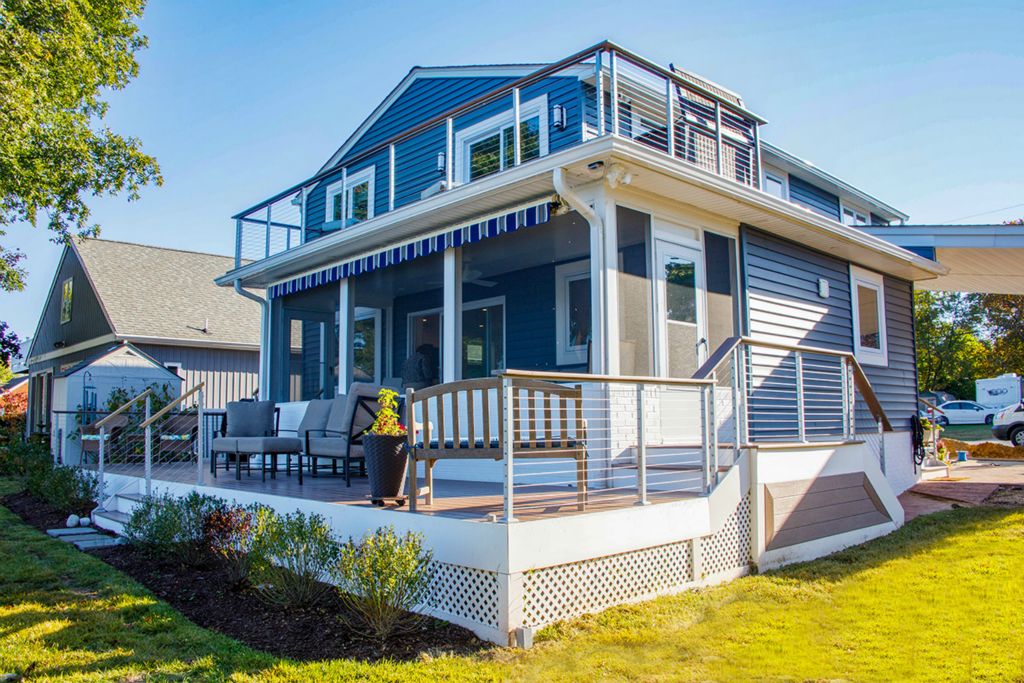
(57, 58)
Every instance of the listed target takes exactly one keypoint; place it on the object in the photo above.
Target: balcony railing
(602, 91)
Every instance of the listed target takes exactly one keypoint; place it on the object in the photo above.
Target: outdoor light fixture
(558, 117)
(441, 162)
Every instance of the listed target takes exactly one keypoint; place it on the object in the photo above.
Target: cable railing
(602, 91)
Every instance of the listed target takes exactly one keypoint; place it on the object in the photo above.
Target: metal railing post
(756, 171)
(844, 369)
(516, 133)
(200, 438)
(737, 432)
(267, 248)
(508, 434)
(615, 92)
(238, 243)
(881, 446)
(670, 115)
(705, 441)
(801, 417)
(101, 465)
(148, 457)
(713, 429)
(718, 137)
(641, 445)
(599, 95)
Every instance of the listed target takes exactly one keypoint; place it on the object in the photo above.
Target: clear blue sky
(918, 103)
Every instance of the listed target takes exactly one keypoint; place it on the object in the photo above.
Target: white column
(451, 334)
(597, 311)
(346, 308)
(610, 303)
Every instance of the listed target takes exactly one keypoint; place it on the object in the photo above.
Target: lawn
(969, 433)
(939, 600)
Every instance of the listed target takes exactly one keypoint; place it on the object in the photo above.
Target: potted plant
(384, 448)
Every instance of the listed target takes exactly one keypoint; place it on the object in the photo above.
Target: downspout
(574, 201)
(264, 378)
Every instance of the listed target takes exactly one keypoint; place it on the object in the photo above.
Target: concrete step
(111, 520)
(125, 502)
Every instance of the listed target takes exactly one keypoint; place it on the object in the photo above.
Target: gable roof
(124, 349)
(509, 71)
(154, 293)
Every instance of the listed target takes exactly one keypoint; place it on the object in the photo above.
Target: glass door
(679, 294)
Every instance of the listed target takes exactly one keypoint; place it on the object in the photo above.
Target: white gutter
(264, 338)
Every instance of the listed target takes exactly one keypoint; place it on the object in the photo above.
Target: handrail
(931, 406)
(716, 358)
(610, 379)
(167, 408)
(121, 409)
(863, 384)
(498, 93)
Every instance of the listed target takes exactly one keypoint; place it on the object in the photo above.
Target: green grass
(939, 600)
(969, 433)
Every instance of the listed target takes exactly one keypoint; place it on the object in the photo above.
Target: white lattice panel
(729, 548)
(568, 590)
(464, 592)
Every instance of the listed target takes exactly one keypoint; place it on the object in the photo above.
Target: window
(175, 367)
(775, 184)
(489, 146)
(868, 294)
(351, 200)
(572, 312)
(854, 217)
(483, 338)
(65, 300)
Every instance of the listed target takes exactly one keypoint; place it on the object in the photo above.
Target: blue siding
(896, 384)
(814, 198)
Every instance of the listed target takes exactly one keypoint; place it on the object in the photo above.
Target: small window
(572, 312)
(351, 200)
(65, 300)
(855, 217)
(489, 146)
(175, 367)
(868, 298)
(775, 185)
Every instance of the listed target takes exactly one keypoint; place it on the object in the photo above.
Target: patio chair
(178, 435)
(435, 434)
(341, 438)
(90, 435)
(251, 428)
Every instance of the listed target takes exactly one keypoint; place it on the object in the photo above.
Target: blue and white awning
(467, 234)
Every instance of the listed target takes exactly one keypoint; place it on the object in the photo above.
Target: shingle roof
(150, 291)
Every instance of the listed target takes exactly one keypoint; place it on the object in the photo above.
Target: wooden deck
(452, 498)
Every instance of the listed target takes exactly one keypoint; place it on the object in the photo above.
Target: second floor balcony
(603, 91)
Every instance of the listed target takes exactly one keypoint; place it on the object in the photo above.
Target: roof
(155, 293)
(124, 348)
(13, 384)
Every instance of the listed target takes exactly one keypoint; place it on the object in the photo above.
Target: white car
(1009, 425)
(965, 413)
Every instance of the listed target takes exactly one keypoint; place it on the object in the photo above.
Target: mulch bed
(1007, 496)
(202, 594)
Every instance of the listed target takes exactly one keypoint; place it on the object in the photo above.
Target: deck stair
(117, 512)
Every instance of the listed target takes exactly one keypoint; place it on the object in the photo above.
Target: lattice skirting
(569, 590)
(465, 592)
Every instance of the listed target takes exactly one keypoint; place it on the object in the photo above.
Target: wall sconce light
(442, 164)
(558, 117)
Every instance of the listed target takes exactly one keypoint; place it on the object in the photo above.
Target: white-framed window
(489, 146)
(175, 367)
(776, 184)
(572, 312)
(854, 216)
(867, 293)
(351, 199)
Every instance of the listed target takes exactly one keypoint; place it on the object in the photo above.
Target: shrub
(71, 490)
(381, 578)
(173, 527)
(295, 556)
(231, 533)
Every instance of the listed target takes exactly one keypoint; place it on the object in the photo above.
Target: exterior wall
(87, 318)
(229, 375)
(814, 198)
(896, 384)
(416, 158)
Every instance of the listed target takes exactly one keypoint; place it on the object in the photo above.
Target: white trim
(564, 274)
(466, 306)
(88, 343)
(175, 366)
(779, 175)
(857, 213)
(346, 184)
(860, 277)
(537, 107)
(663, 247)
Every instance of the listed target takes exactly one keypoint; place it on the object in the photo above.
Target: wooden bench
(464, 421)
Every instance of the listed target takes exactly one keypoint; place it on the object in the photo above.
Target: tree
(950, 350)
(57, 57)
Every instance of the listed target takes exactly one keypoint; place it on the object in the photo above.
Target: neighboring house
(738, 350)
(161, 301)
(13, 393)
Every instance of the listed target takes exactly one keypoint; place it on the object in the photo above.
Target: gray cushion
(269, 444)
(250, 418)
(327, 445)
(315, 417)
(336, 421)
(358, 420)
(224, 444)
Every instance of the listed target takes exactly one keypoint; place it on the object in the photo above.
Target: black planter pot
(386, 465)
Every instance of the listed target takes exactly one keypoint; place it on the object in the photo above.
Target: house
(13, 393)
(628, 274)
(158, 306)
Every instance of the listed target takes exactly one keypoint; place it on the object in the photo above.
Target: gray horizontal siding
(896, 384)
(812, 197)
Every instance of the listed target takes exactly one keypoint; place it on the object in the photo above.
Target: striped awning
(467, 234)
